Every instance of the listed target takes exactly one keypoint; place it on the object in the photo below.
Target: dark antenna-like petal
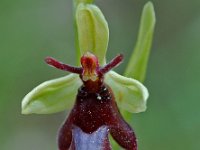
(112, 64)
(59, 65)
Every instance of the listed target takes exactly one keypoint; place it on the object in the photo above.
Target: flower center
(90, 67)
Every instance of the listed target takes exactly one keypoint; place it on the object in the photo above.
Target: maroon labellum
(95, 113)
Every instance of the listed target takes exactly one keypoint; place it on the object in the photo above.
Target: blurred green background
(31, 30)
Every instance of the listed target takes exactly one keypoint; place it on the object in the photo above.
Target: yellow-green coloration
(93, 35)
(52, 96)
(93, 32)
(59, 94)
(137, 65)
(129, 93)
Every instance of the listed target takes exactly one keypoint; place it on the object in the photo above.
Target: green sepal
(52, 96)
(92, 30)
(138, 63)
(130, 94)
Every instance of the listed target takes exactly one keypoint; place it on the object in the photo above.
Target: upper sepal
(52, 96)
(130, 94)
(92, 29)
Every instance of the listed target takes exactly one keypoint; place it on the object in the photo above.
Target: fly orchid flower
(94, 108)
(93, 92)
